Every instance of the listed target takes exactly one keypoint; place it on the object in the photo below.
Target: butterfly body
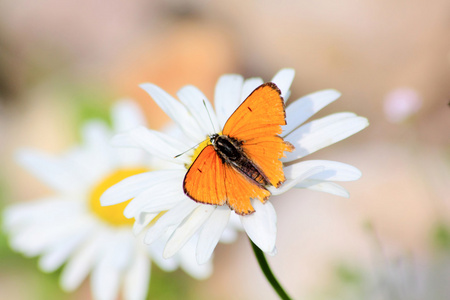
(230, 152)
(237, 165)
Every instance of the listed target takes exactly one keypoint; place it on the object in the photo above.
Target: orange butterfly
(236, 166)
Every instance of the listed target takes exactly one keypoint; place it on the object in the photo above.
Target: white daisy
(73, 227)
(185, 217)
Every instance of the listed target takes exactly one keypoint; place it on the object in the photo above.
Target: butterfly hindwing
(265, 152)
(210, 180)
(240, 191)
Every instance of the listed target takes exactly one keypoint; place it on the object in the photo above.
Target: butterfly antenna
(212, 124)
(178, 155)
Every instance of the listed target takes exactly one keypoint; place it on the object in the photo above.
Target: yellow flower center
(200, 147)
(113, 214)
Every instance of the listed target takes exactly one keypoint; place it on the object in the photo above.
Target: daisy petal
(126, 115)
(35, 239)
(52, 171)
(95, 135)
(165, 202)
(15, 217)
(187, 229)
(58, 253)
(321, 186)
(142, 220)
(132, 186)
(175, 110)
(162, 192)
(81, 263)
(332, 170)
(131, 157)
(105, 280)
(196, 101)
(170, 219)
(189, 263)
(116, 256)
(302, 109)
(122, 249)
(137, 278)
(211, 233)
(155, 143)
(323, 132)
(98, 158)
(249, 86)
(226, 96)
(290, 183)
(124, 140)
(156, 250)
(261, 226)
(283, 79)
(230, 233)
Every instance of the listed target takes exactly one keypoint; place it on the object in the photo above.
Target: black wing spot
(199, 170)
(249, 109)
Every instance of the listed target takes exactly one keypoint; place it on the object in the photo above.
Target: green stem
(268, 272)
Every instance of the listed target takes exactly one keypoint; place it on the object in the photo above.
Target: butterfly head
(213, 138)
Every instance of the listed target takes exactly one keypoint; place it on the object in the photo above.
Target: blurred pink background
(61, 61)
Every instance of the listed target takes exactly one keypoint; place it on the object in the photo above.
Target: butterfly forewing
(204, 180)
(256, 123)
(262, 113)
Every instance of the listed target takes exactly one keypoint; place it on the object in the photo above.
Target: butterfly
(237, 165)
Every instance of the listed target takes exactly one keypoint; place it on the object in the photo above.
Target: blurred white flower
(401, 103)
(71, 226)
(184, 217)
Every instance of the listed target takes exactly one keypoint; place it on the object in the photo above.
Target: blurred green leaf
(171, 285)
(90, 103)
(441, 236)
(348, 275)
(348, 282)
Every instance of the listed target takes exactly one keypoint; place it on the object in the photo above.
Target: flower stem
(268, 272)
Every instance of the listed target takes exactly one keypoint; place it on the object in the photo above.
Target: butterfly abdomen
(231, 153)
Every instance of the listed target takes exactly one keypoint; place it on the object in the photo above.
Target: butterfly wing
(204, 181)
(209, 180)
(240, 191)
(256, 123)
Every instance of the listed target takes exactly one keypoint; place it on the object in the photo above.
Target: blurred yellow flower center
(113, 214)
